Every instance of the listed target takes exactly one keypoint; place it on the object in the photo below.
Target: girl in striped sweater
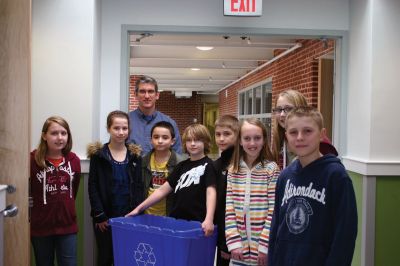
(250, 195)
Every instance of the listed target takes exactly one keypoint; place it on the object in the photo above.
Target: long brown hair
(278, 133)
(41, 151)
(265, 153)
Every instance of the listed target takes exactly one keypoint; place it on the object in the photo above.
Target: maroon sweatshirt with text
(53, 191)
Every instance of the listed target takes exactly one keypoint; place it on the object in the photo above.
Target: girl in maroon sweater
(54, 180)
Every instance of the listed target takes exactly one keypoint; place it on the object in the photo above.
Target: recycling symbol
(144, 255)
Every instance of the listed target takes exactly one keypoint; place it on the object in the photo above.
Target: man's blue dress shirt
(141, 126)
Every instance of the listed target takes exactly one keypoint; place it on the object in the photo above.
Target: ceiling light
(204, 48)
(195, 69)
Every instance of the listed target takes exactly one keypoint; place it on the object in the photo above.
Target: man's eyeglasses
(149, 92)
(286, 109)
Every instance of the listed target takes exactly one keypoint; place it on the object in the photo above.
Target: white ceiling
(169, 58)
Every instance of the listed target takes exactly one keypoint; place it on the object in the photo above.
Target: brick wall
(297, 70)
(182, 110)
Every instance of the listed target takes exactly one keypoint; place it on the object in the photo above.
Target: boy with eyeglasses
(146, 116)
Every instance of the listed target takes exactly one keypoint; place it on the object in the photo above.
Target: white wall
(385, 120)
(283, 14)
(359, 96)
(373, 103)
(62, 67)
(96, 70)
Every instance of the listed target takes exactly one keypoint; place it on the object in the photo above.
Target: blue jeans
(64, 246)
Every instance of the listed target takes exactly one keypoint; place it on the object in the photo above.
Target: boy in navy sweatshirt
(315, 218)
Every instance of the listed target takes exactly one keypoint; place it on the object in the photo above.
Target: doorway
(325, 92)
(210, 115)
(150, 31)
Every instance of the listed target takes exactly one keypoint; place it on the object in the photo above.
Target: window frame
(242, 114)
(243, 97)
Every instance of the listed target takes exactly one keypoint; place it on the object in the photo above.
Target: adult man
(145, 116)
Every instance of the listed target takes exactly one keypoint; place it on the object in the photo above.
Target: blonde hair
(265, 153)
(307, 111)
(41, 151)
(297, 99)
(228, 121)
(197, 132)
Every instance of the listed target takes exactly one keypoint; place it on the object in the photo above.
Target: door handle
(10, 211)
(11, 189)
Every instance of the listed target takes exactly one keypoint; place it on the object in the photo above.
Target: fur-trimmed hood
(97, 147)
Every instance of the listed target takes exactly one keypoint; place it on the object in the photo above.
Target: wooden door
(325, 92)
(15, 32)
(210, 114)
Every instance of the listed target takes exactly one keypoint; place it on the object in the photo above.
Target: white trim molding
(85, 166)
(371, 168)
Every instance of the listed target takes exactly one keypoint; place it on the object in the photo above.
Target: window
(256, 101)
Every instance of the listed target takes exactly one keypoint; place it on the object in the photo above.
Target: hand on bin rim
(133, 213)
(208, 227)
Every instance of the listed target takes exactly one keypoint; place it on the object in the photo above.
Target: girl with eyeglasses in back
(286, 102)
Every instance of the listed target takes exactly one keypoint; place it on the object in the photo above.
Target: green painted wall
(387, 230)
(80, 211)
(387, 226)
(357, 184)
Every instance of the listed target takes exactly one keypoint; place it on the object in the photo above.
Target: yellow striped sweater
(249, 208)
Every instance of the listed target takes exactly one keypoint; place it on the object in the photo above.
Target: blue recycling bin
(148, 240)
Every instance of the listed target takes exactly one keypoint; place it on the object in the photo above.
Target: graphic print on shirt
(305, 191)
(298, 215)
(158, 178)
(299, 210)
(191, 177)
(54, 183)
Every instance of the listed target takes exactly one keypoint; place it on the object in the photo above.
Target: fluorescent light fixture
(195, 69)
(183, 94)
(204, 48)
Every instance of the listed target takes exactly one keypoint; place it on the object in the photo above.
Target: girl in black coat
(115, 181)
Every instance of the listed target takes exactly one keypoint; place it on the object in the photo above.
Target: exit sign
(243, 7)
